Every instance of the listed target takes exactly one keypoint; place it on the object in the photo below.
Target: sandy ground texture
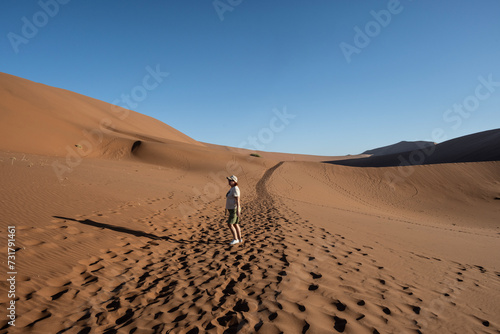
(121, 230)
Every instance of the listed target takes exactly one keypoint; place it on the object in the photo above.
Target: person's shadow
(136, 233)
(121, 229)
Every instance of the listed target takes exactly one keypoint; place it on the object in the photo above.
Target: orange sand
(120, 229)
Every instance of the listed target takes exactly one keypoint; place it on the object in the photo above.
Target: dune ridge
(483, 146)
(40, 119)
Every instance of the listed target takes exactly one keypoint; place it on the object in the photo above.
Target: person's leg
(237, 231)
(233, 231)
(232, 222)
(230, 219)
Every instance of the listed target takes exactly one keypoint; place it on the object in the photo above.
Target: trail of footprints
(157, 284)
(327, 266)
(364, 297)
(288, 274)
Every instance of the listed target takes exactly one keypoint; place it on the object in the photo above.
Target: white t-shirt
(231, 197)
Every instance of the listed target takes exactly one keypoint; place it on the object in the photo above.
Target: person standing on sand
(233, 206)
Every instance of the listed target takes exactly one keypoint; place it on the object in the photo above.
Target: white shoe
(240, 241)
(234, 242)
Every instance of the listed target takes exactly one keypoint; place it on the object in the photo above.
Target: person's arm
(238, 206)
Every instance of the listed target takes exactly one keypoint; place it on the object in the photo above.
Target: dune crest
(40, 119)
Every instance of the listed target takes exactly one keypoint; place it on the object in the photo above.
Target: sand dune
(401, 147)
(41, 119)
(483, 146)
(132, 239)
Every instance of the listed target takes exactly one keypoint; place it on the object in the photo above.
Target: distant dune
(120, 228)
(483, 146)
(403, 146)
(284, 156)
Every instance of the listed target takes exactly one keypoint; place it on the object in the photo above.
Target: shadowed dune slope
(403, 146)
(482, 146)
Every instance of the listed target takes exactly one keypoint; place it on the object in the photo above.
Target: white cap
(232, 178)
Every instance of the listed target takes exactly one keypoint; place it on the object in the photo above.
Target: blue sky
(413, 70)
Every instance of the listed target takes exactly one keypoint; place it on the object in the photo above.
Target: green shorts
(233, 217)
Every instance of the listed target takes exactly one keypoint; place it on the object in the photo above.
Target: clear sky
(354, 75)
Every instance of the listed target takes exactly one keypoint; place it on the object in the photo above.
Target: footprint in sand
(51, 245)
(33, 242)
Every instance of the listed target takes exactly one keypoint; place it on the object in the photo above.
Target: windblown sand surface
(128, 235)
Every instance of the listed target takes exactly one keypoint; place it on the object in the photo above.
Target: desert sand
(119, 228)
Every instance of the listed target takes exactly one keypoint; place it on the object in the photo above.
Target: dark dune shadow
(135, 146)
